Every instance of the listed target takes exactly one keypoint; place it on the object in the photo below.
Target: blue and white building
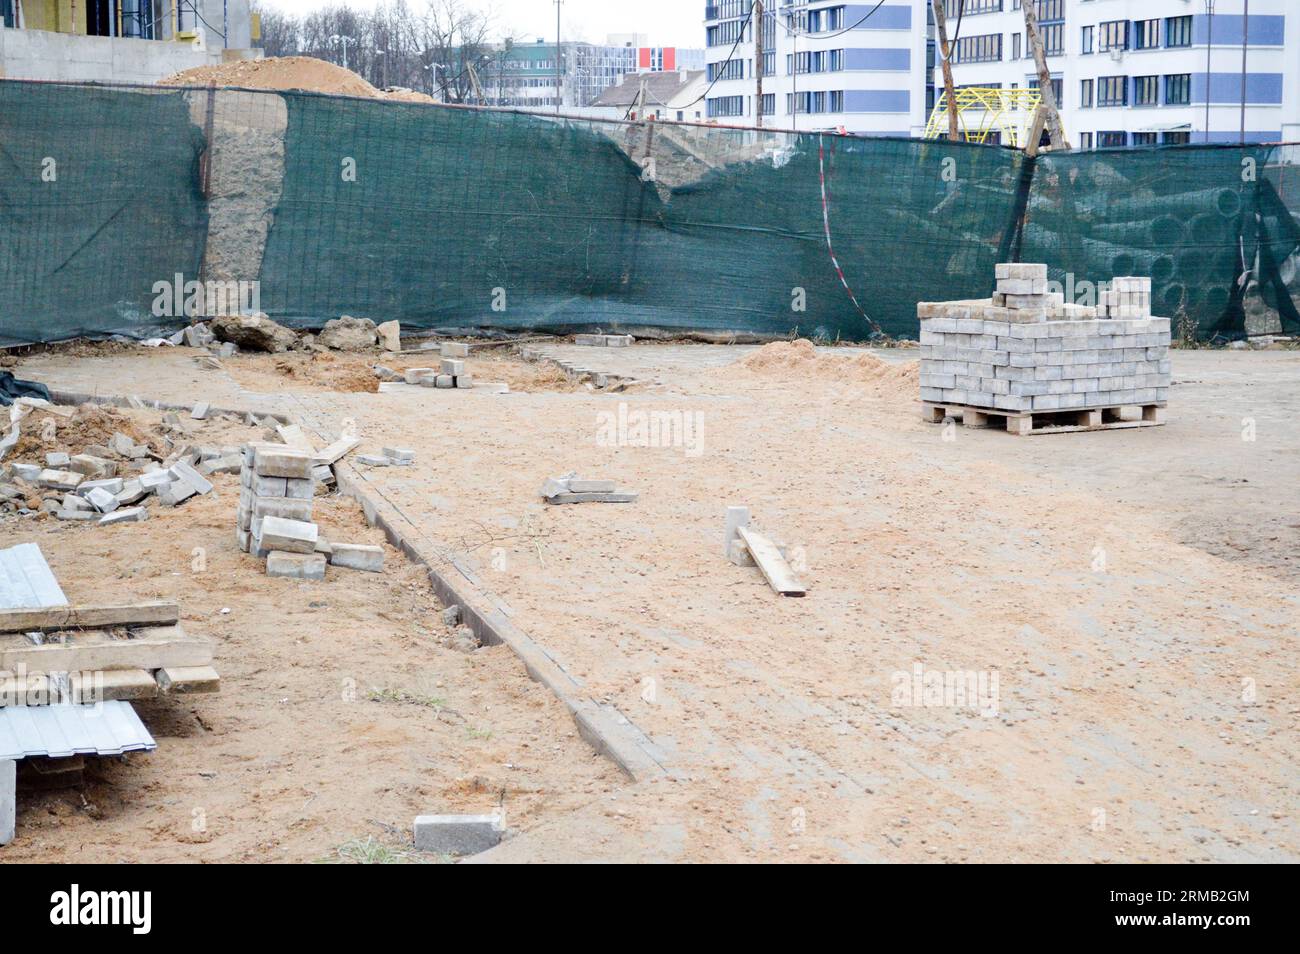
(827, 65)
(1146, 72)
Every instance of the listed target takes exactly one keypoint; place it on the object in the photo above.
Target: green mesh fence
(99, 199)
(456, 218)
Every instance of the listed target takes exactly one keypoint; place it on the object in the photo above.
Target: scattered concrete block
(295, 436)
(374, 460)
(572, 498)
(454, 349)
(618, 341)
(444, 381)
(737, 517)
(66, 514)
(290, 536)
(452, 366)
(125, 515)
(282, 507)
(458, 834)
(357, 556)
(556, 485)
(57, 460)
(324, 546)
(335, 451)
(284, 462)
(113, 485)
(464, 381)
(228, 464)
(154, 479)
(200, 410)
(91, 466)
(400, 455)
(594, 341)
(175, 492)
(186, 472)
(102, 500)
(58, 479)
(298, 566)
(390, 335)
(420, 375)
(76, 502)
(578, 486)
(132, 492)
(28, 472)
(451, 615)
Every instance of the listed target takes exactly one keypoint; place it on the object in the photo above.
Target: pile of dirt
(328, 371)
(90, 425)
(785, 358)
(290, 72)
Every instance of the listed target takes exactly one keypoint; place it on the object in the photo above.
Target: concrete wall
(37, 54)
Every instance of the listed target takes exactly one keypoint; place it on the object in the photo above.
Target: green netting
(99, 199)
(445, 217)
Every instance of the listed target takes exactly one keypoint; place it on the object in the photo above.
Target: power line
(739, 36)
(830, 36)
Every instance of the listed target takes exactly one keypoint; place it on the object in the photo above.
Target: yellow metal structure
(985, 110)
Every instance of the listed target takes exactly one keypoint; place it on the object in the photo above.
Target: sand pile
(289, 72)
(90, 425)
(786, 358)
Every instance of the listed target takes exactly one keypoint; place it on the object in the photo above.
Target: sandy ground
(341, 716)
(1133, 591)
(290, 72)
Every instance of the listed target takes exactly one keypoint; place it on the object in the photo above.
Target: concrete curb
(113, 400)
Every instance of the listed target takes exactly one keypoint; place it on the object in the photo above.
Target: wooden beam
(91, 616)
(773, 566)
(189, 679)
(154, 647)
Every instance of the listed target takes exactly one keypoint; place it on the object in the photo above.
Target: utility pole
(945, 57)
(1045, 88)
(758, 63)
(1245, 29)
(559, 80)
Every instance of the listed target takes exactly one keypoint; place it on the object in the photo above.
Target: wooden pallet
(106, 685)
(1023, 423)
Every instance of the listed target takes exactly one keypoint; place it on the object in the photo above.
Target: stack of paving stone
(603, 341)
(450, 373)
(1026, 351)
(277, 491)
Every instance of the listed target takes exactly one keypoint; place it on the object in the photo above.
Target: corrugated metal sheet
(26, 579)
(108, 728)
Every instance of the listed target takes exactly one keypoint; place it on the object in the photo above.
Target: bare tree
(279, 32)
(945, 55)
(1055, 130)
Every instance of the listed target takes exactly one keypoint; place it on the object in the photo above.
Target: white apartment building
(1145, 72)
(860, 67)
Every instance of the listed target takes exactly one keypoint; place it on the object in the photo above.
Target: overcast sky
(668, 22)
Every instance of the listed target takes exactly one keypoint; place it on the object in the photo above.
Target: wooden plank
(189, 679)
(154, 647)
(773, 566)
(126, 684)
(96, 616)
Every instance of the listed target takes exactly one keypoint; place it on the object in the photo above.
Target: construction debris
(571, 489)
(458, 834)
(744, 546)
(604, 341)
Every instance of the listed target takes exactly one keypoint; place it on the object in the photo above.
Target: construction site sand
(1121, 689)
(289, 73)
(341, 715)
(801, 360)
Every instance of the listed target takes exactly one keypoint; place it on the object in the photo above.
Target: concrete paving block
(299, 488)
(102, 500)
(200, 410)
(226, 464)
(113, 485)
(59, 479)
(593, 341)
(357, 556)
(464, 381)
(131, 493)
(374, 460)
(184, 471)
(298, 566)
(592, 486)
(618, 341)
(57, 460)
(154, 479)
(282, 462)
(572, 498)
(402, 455)
(175, 492)
(452, 366)
(91, 466)
(454, 349)
(28, 472)
(444, 381)
(457, 834)
(73, 501)
(291, 536)
(268, 486)
(66, 514)
(125, 515)
(418, 375)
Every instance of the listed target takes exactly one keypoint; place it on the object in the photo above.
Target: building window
(1086, 39)
(1178, 31)
(1112, 91)
(725, 106)
(727, 70)
(1049, 10)
(1015, 46)
(1058, 89)
(837, 100)
(1085, 140)
(979, 49)
(1085, 93)
(769, 104)
(1146, 91)
(1178, 89)
(1053, 38)
(1146, 34)
(968, 7)
(1144, 139)
(1180, 138)
(1112, 35)
(1112, 139)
